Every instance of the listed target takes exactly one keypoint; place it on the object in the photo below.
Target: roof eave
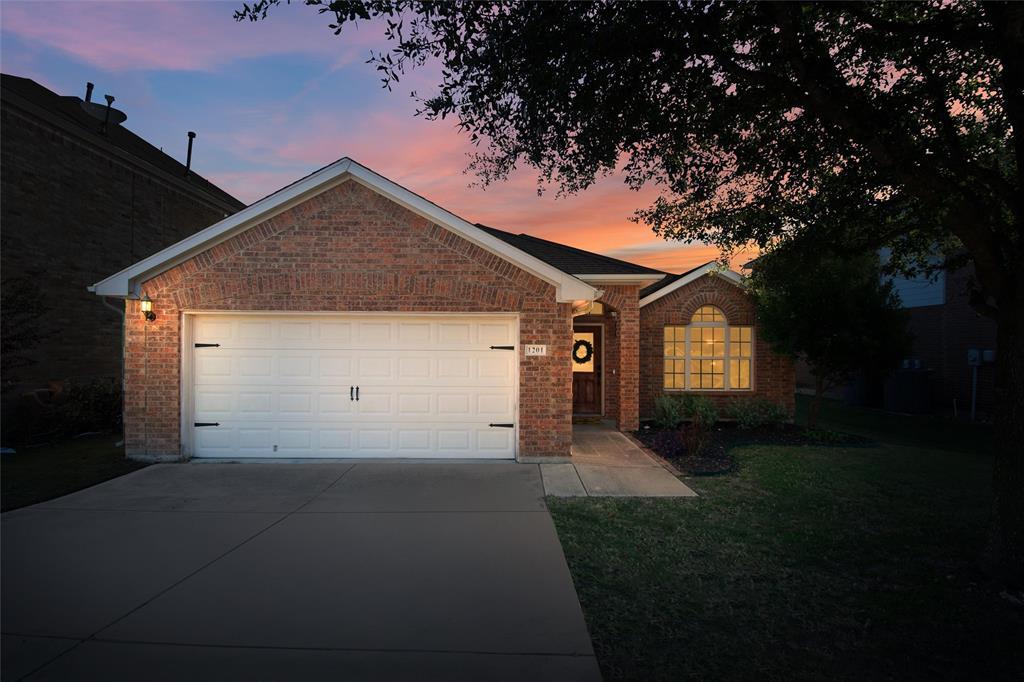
(708, 269)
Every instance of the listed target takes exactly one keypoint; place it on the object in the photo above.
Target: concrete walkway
(324, 571)
(605, 463)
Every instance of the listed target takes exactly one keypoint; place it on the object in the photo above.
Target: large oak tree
(863, 125)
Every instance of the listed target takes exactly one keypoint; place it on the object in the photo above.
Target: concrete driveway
(382, 571)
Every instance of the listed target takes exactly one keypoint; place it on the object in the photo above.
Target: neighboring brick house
(936, 375)
(78, 201)
(945, 327)
(345, 316)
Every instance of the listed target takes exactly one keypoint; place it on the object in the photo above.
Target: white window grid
(688, 357)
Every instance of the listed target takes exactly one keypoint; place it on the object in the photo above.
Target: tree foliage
(848, 124)
(884, 123)
(836, 311)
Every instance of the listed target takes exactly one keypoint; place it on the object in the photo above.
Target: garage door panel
(380, 368)
(280, 386)
(415, 334)
(371, 440)
(391, 333)
(221, 402)
(491, 441)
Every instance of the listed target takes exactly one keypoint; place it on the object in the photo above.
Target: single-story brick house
(345, 316)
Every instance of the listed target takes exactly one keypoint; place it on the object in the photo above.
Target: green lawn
(43, 473)
(807, 563)
(900, 429)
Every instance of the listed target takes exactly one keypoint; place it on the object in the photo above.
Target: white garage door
(354, 386)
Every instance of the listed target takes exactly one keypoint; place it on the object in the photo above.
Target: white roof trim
(125, 283)
(622, 279)
(707, 269)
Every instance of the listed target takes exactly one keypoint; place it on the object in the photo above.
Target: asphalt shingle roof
(668, 280)
(569, 259)
(70, 110)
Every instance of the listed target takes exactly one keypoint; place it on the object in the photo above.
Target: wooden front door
(586, 375)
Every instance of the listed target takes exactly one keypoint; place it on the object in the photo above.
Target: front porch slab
(612, 481)
(561, 480)
(605, 463)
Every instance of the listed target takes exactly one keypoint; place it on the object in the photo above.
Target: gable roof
(673, 282)
(572, 260)
(127, 282)
(67, 112)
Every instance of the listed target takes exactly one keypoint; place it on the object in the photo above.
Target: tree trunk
(819, 390)
(1004, 556)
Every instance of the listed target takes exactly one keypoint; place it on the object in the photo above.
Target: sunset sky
(274, 100)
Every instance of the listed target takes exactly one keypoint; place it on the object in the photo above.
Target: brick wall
(347, 249)
(625, 300)
(72, 214)
(773, 373)
(942, 336)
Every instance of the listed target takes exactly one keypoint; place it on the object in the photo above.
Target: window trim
(688, 359)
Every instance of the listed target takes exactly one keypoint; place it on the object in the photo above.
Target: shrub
(699, 416)
(753, 413)
(668, 412)
(93, 406)
(699, 411)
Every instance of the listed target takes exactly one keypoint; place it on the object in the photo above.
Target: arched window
(708, 354)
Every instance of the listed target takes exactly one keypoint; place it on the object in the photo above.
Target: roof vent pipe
(88, 91)
(106, 116)
(188, 159)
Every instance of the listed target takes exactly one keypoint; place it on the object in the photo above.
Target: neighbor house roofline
(127, 282)
(712, 268)
(39, 103)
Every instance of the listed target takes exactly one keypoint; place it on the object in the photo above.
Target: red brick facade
(773, 374)
(621, 381)
(347, 249)
(625, 336)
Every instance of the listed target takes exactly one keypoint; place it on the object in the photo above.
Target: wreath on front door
(588, 351)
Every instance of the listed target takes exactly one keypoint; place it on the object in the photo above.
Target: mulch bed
(714, 457)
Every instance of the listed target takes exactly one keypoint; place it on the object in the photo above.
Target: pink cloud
(429, 158)
(124, 36)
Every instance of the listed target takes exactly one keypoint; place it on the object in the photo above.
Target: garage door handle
(207, 345)
(504, 426)
(206, 424)
(357, 393)
(351, 393)
(503, 347)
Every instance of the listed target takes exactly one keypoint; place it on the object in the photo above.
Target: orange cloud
(429, 158)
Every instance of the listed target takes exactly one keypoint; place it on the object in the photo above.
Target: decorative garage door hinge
(207, 345)
(206, 424)
(503, 347)
(504, 426)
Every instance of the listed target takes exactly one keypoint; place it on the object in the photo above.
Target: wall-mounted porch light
(146, 306)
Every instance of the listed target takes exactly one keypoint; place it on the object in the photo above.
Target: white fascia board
(642, 280)
(708, 269)
(124, 283)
